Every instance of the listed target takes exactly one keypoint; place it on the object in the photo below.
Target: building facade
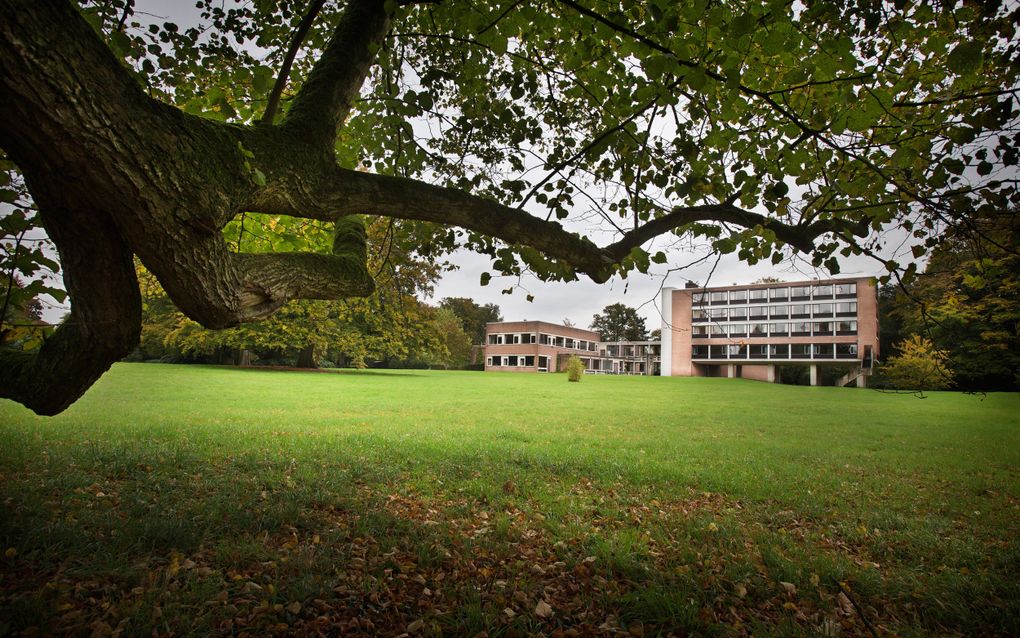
(535, 346)
(746, 331)
(539, 346)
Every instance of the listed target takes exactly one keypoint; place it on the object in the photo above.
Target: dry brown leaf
(294, 607)
(789, 588)
(543, 610)
(415, 626)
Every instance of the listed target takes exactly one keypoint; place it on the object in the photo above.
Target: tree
(968, 303)
(618, 322)
(457, 344)
(918, 366)
(473, 316)
(758, 128)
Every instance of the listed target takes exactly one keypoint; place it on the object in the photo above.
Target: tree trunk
(242, 357)
(306, 358)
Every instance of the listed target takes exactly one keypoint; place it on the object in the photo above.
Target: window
(716, 330)
(699, 298)
(738, 330)
(738, 296)
(543, 364)
(699, 315)
(823, 309)
(738, 314)
(568, 343)
(737, 351)
(779, 351)
(699, 352)
(800, 292)
(718, 313)
(779, 312)
(495, 339)
(757, 352)
(758, 312)
(801, 329)
(558, 342)
(846, 309)
(544, 339)
(822, 292)
(846, 327)
(592, 346)
(779, 294)
(493, 361)
(822, 328)
(717, 352)
(527, 338)
(759, 330)
(529, 361)
(823, 351)
(758, 294)
(582, 345)
(779, 329)
(511, 360)
(800, 311)
(800, 351)
(718, 297)
(846, 350)
(515, 339)
(846, 290)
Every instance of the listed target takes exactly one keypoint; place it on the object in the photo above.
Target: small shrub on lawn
(575, 369)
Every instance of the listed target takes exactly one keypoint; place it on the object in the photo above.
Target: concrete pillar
(861, 381)
(814, 374)
(770, 376)
(731, 371)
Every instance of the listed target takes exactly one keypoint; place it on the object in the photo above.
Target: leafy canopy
(618, 322)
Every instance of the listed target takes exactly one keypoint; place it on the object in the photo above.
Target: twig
(288, 60)
(860, 612)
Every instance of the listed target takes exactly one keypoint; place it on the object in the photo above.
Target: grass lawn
(191, 500)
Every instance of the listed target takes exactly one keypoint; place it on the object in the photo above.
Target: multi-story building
(746, 331)
(538, 346)
(534, 345)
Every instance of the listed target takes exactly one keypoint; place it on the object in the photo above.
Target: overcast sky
(580, 300)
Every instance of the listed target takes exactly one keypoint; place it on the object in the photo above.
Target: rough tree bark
(116, 173)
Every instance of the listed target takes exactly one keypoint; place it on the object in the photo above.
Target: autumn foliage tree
(918, 365)
(518, 130)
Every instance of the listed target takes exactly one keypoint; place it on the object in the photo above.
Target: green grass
(198, 500)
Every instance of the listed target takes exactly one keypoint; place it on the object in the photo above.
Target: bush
(575, 369)
(918, 366)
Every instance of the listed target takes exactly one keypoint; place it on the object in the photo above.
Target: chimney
(692, 284)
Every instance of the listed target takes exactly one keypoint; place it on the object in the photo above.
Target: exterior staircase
(853, 375)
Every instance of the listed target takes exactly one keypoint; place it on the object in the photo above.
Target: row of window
(795, 329)
(515, 338)
(794, 311)
(777, 351)
(786, 293)
(518, 361)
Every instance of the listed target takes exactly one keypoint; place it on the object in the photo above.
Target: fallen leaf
(415, 626)
(11, 552)
(294, 607)
(845, 606)
(790, 588)
(543, 610)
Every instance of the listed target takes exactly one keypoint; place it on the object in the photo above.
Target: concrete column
(770, 376)
(731, 371)
(814, 374)
(861, 381)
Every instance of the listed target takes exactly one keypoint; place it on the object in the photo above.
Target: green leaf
(260, 177)
(966, 58)
(485, 279)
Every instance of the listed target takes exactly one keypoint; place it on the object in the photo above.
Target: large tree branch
(105, 319)
(345, 192)
(324, 100)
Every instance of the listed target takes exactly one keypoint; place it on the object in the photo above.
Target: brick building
(746, 331)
